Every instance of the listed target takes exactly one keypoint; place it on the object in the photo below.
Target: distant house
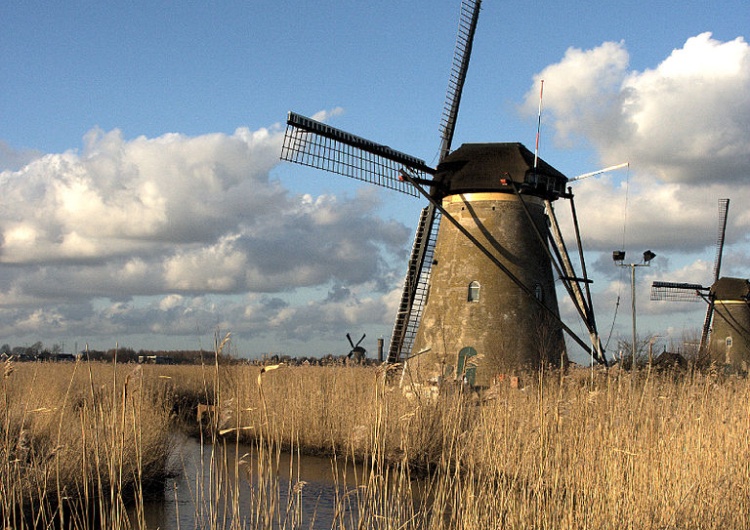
(155, 359)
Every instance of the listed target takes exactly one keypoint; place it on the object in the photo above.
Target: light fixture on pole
(619, 258)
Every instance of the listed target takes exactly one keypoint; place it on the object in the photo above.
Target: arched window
(473, 291)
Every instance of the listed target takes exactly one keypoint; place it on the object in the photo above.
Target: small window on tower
(474, 291)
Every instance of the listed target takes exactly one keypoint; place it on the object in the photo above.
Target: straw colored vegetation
(612, 450)
(566, 451)
(79, 444)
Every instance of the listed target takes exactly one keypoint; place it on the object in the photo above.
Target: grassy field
(81, 443)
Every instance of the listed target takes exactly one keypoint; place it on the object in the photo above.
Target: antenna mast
(538, 126)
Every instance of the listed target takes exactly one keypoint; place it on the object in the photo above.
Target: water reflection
(233, 486)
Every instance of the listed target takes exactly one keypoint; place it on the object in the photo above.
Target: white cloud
(687, 120)
(324, 115)
(174, 219)
(582, 91)
(13, 159)
(684, 126)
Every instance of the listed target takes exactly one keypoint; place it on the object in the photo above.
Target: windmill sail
(467, 26)
(677, 292)
(723, 210)
(311, 143)
(692, 292)
(414, 293)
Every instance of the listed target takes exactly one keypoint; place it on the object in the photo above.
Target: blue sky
(144, 202)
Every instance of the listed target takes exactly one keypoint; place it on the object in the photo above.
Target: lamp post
(619, 258)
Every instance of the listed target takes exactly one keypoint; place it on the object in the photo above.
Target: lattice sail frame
(311, 143)
(467, 25)
(678, 292)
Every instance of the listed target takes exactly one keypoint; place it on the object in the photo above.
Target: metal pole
(618, 256)
(632, 294)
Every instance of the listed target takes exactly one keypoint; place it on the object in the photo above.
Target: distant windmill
(357, 353)
(726, 328)
(483, 279)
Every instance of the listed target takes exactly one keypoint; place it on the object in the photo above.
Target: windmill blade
(414, 293)
(349, 337)
(360, 340)
(467, 26)
(677, 292)
(723, 211)
(311, 143)
(598, 172)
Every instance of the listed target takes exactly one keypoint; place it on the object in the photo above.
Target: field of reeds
(573, 450)
(79, 443)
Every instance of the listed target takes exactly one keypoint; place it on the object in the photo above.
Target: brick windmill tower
(479, 294)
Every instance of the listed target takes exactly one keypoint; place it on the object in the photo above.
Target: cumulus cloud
(176, 219)
(583, 91)
(121, 197)
(686, 120)
(644, 212)
(684, 126)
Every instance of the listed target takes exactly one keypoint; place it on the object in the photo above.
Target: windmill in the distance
(481, 280)
(357, 353)
(725, 338)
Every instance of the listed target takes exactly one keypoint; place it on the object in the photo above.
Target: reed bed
(80, 444)
(574, 450)
(578, 450)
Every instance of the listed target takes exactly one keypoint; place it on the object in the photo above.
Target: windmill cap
(494, 167)
(731, 289)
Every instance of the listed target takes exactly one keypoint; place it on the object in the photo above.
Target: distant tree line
(39, 352)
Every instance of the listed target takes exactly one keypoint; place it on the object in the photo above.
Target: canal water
(233, 486)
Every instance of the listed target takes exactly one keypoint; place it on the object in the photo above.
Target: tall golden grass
(572, 450)
(579, 450)
(79, 444)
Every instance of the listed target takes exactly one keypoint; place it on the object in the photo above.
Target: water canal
(236, 486)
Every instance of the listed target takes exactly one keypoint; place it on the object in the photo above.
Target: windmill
(725, 337)
(480, 271)
(358, 353)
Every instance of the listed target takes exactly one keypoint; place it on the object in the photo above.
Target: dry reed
(79, 443)
(604, 450)
(565, 451)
